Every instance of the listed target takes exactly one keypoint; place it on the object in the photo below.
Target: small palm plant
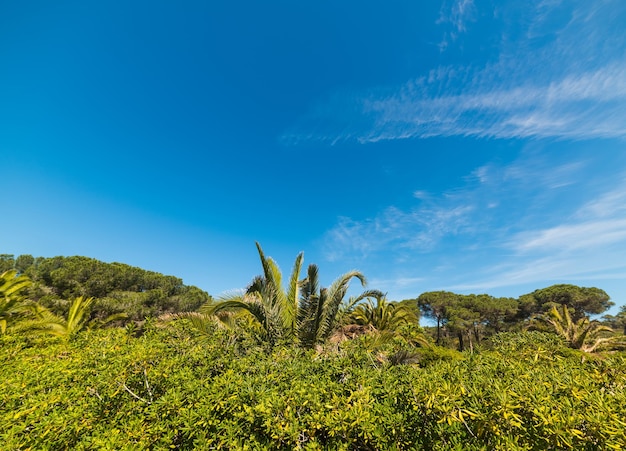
(76, 320)
(384, 315)
(68, 327)
(13, 305)
(583, 334)
(273, 307)
(389, 320)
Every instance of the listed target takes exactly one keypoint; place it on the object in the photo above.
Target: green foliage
(117, 288)
(301, 313)
(13, 306)
(384, 315)
(530, 344)
(189, 383)
(167, 389)
(582, 301)
(581, 334)
(7, 262)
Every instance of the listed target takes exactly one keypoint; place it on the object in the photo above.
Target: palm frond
(348, 306)
(78, 314)
(582, 334)
(248, 303)
(308, 306)
(290, 302)
(334, 297)
(12, 303)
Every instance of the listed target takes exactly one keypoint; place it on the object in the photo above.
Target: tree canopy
(116, 287)
(582, 301)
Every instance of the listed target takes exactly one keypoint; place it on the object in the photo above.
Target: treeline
(117, 287)
(305, 313)
(465, 320)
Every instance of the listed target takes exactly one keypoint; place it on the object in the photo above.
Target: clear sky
(466, 145)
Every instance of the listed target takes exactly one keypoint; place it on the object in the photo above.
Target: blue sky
(466, 145)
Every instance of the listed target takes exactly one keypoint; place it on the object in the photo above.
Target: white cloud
(419, 194)
(588, 105)
(457, 15)
(543, 218)
(588, 245)
(417, 229)
(399, 282)
(611, 203)
(464, 210)
(586, 235)
(562, 76)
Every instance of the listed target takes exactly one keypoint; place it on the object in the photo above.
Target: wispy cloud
(418, 229)
(588, 245)
(539, 218)
(570, 237)
(461, 211)
(562, 75)
(589, 105)
(456, 15)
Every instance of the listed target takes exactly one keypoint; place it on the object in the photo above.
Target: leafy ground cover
(174, 389)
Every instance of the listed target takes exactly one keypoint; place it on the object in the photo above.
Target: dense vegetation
(171, 388)
(296, 365)
(116, 287)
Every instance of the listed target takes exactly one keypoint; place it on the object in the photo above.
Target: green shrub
(174, 389)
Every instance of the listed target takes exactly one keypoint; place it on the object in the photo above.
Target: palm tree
(303, 312)
(582, 334)
(273, 307)
(384, 315)
(13, 305)
(320, 310)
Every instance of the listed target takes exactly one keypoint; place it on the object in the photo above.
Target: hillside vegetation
(107, 356)
(116, 287)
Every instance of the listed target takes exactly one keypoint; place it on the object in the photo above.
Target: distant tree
(464, 322)
(581, 301)
(494, 313)
(7, 262)
(437, 306)
(622, 317)
(618, 321)
(23, 262)
(468, 317)
(117, 287)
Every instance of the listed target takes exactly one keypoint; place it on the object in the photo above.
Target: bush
(533, 344)
(171, 388)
